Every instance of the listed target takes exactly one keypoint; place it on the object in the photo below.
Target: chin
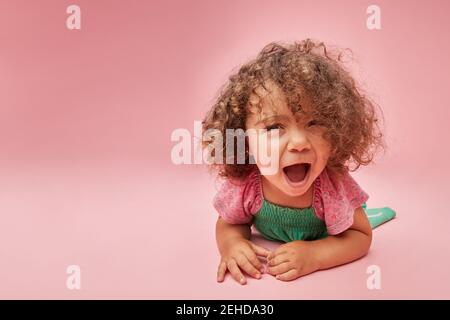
(295, 192)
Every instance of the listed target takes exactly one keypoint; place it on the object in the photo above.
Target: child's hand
(242, 254)
(293, 260)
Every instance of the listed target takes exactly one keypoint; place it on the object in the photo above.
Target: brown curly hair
(306, 67)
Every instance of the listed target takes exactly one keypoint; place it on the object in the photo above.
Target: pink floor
(147, 235)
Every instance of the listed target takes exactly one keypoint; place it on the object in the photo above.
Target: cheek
(266, 143)
(265, 150)
(323, 151)
(322, 148)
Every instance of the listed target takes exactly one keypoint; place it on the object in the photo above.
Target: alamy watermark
(73, 281)
(374, 280)
(373, 21)
(263, 147)
(73, 21)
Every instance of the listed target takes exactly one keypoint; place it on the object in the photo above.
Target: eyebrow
(273, 117)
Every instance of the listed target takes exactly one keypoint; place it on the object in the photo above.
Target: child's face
(303, 152)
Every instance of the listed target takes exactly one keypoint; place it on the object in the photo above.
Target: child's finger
(221, 271)
(289, 275)
(277, 252)
(260, 251)
(276, 260)
(279, 269)
(251, 256)
(245, 264)
(236, 272)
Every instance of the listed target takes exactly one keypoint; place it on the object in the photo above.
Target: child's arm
(299, 258)
(226, 231)
(237, 252)
(348, 246)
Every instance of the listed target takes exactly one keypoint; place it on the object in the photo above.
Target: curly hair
(302, 68)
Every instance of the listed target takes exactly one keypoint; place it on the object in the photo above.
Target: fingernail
(242, 280)
(258, 276)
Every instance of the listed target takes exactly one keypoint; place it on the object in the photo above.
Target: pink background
(85, 121)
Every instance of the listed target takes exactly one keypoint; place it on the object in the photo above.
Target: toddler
(318, 127)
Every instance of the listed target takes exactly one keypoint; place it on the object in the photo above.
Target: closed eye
(274, 126)
(313, 123)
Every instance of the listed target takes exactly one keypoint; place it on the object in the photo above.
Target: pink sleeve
(336, 200)
(237, 202)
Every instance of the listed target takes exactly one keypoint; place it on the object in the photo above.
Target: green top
(278, 223)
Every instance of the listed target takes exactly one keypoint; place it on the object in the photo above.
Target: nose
(298, 141)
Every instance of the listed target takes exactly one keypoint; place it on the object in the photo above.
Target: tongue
(296, 172)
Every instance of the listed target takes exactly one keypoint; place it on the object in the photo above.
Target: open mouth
(297, 174)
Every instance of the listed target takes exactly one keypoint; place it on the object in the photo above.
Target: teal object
(278, 223)
(378, 216)
(285, 224)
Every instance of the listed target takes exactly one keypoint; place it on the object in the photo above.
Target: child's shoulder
(337, 197)
(237, 201)
(340, 186)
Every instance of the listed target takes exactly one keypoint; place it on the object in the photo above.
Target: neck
(276, 196)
